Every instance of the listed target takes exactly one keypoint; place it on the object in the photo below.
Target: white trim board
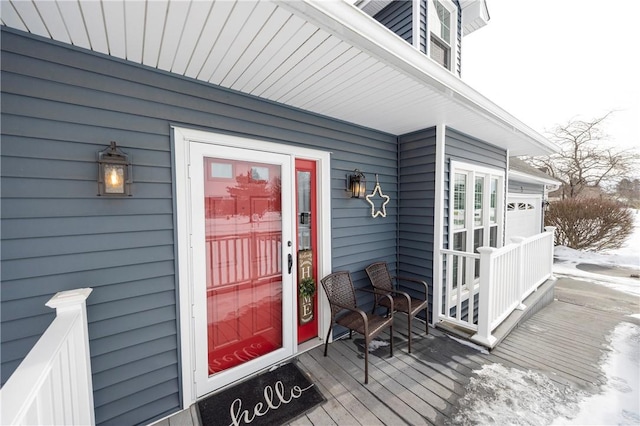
(182, 138)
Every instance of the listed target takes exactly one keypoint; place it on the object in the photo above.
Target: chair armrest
(379, 293)
(365, 320)
(414, 280)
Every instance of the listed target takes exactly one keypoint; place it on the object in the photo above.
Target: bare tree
(586, 158)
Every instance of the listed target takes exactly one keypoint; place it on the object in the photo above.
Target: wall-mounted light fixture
(114, 172)
(356, 184)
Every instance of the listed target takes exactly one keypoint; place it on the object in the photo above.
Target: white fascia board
(365, 33)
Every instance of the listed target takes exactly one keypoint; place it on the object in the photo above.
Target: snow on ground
(501, 395)
(619, 401)
(628, 257)
(377, 344)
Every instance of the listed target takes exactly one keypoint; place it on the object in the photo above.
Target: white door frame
(183, 137)
(199, 152)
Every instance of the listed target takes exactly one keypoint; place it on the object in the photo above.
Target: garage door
(524, 215)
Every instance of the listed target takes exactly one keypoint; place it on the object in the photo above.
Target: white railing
(461, 286)
(52, 385)
(505, 277)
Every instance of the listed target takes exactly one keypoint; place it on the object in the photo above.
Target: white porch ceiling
(326, 57)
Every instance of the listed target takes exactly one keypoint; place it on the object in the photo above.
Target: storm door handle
(290, 262)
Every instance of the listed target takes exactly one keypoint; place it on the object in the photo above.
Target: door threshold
(309, 344)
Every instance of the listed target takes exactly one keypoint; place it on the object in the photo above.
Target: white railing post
(70, 301)
(520, 268)
(485, 298)
(438, 282)
(551, 229)
(53, 385)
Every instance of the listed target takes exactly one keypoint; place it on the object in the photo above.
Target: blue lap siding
(517, 187)
(398, 17)
(60, 105)
(417, 175)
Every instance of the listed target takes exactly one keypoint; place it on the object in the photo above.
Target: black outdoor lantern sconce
(114, 172)
(356, 184)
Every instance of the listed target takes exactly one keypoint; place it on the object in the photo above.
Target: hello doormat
(272, 398)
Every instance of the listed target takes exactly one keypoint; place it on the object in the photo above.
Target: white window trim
(451, 7)
(472, 170)
(182, 137)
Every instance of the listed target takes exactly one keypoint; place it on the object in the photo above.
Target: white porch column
(438, 225)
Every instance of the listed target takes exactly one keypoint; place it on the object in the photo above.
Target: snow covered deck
(543, 369)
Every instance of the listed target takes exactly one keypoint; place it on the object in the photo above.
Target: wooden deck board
(565, 355)
(380, 386)
(527, 362)
(342, 390)
(577, 350)
(548, 351)
(403, 402)
(563, 341)
(332, 390)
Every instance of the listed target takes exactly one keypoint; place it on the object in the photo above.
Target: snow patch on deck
(501, 395)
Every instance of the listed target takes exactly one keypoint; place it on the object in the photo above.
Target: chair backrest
(339, 289)
(379, 276)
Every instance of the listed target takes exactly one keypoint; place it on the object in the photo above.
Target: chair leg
(426, 320)
(326, 342)
(410, 332)
(391, 340)
(366, 360)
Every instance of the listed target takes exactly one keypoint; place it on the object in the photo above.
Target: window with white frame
(442, 34)
(476, 196)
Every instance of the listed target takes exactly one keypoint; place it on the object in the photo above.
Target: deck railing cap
(69, 298)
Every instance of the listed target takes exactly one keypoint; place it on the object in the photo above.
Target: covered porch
(428, 386)
(422, 387)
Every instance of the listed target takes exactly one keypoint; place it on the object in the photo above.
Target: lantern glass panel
(114, 178)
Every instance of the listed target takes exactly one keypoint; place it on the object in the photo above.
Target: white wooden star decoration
(382, 211)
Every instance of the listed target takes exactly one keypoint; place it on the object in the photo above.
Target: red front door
(306, 208)
(241, 204)
(243, 233)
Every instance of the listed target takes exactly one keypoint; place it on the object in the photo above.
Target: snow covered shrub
(591, 224)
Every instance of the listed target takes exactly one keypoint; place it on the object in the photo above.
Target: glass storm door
(307, 247)
(241, 206)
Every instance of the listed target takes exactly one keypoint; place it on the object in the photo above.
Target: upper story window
(442, 35)
(442, 22)
(430, 26)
